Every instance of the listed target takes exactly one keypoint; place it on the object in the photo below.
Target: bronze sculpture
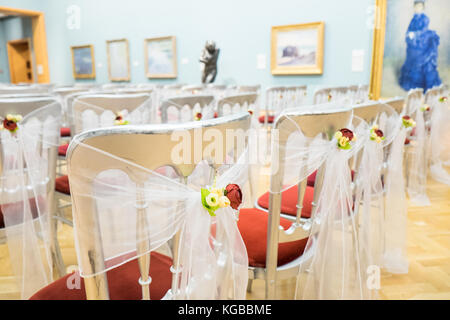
(209, 58)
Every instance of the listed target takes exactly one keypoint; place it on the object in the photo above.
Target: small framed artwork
(161, 57)
(297, 49)
(118, 60)
(83, 62)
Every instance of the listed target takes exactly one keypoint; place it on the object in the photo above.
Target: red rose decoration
(216, 115)
(406, 117)
(234, 194)
(379, 133)
(9, 125)
(347, 133)
(198, 116)
(118, 118)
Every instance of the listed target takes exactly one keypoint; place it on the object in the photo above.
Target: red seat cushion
(62, 150)
(312, 178)
(289, 201)
(122, 282)
(65, 132)
(253, 227)
(270, 119)
(62, 185)
(33, 207)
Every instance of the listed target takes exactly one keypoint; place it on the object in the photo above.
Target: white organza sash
(395, 258)
(417, 160)
(440, 140)
(381, 163)
(26, 196)
(332, 269)
(212, 255)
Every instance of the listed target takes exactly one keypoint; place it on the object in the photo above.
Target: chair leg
(55, 250)
(249, 285)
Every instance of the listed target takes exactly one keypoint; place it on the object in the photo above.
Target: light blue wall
(240, 28)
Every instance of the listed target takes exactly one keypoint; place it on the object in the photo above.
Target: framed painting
(83, 62)
(297, 49)
(410, 46)
(161, 57)
(118, 60)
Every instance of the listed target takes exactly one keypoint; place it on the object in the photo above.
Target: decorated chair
(238, 103)
(125, 212)
(416, 167)
(380, 202)
(280, 98)
(187, 108)
(102, 110)
(62, 94)
(363, 94)
(437, 114)
(29, 142)
(331, 94)
(279, 248)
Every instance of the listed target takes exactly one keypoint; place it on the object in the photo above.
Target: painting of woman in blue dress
(420, 67)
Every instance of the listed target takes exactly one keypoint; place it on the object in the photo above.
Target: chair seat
(62, 185)
(65, 132)
(62, 150)
(312, 178)
(270, 119)
(289, 201)
(122, 282)
(253, 227)
(34, 211)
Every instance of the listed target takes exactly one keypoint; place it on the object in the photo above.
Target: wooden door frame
(9, 46)
(39, 39)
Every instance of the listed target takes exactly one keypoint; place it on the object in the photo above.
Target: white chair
(98, 152)
(182, 108)
(92, 111)
(379, 184)
(416, 165)
(437, 118)
(278, 252)
(280, 98)
(28, 170)
(14, 90)
(330, 94)
(249, 88)
(238, 103)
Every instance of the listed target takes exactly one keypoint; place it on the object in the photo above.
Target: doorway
(38, 39)
(20, 61)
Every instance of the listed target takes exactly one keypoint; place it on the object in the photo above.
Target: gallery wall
(241, 30)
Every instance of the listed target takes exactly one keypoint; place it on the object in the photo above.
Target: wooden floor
(428, 252)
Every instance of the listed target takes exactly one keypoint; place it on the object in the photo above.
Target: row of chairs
(281, 258)
(255, 272)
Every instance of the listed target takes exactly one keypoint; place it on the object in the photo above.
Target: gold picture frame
(83, 67)
(379, 32)
(285, 41)
(163, 65)
(118, 50)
